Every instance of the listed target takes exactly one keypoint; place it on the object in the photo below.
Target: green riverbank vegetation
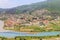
(57, 37)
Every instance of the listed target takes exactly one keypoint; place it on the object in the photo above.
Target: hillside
(49, 4)
(36, 17)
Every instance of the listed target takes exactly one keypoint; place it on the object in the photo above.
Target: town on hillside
(39, 20)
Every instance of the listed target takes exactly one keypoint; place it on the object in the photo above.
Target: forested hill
(52, 5)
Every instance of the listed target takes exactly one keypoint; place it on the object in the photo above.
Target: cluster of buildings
(41, 18)
(10, 22)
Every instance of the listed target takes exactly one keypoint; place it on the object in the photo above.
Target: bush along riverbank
(57, 37)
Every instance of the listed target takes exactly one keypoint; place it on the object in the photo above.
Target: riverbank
(2, 27)
(57, 37)
(4, 38)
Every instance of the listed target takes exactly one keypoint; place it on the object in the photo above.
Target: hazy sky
(14, 3)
